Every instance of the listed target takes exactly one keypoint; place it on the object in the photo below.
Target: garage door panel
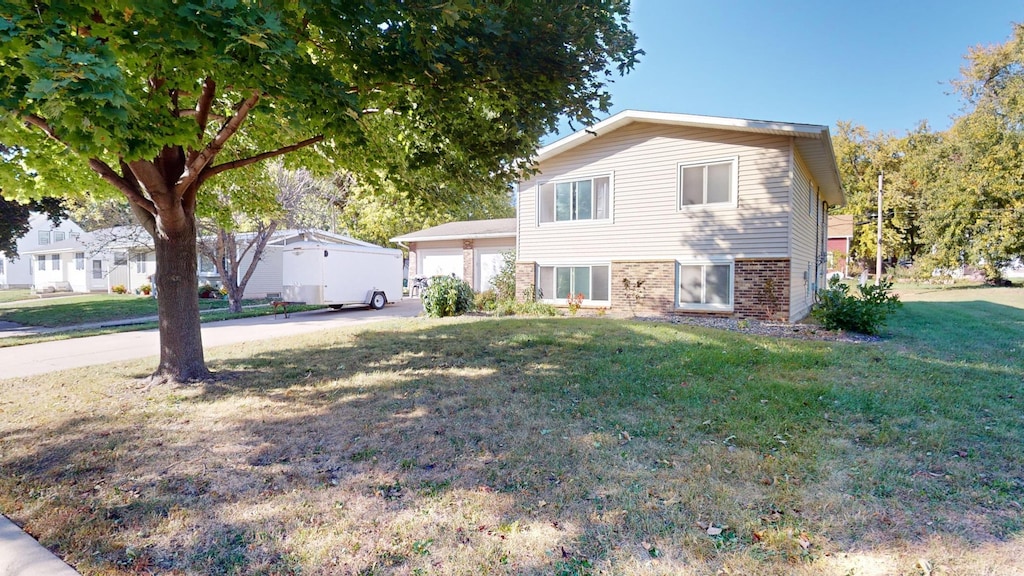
(441, 263)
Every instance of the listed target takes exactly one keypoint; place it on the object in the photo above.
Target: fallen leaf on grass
(714, 530)
(804, 541)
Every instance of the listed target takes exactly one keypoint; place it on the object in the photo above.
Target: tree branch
(128, 188)
(214, 170)
(197, 164)
(42, 125)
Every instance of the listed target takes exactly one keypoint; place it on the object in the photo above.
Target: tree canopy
(952, 198)
(151, 100)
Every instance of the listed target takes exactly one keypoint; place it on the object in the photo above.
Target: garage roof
(464, 230)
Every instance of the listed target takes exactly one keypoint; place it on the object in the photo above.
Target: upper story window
(44, 237)
(708, 183)
(566, 201)
(59, 235)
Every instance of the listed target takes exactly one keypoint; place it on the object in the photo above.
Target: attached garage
(440, 262)
(472, 250)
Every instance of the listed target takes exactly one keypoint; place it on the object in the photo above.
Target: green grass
(14, 294)
(91, 308)
(542, 446)
(213, 315)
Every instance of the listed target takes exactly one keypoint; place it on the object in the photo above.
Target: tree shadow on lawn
(519, 446)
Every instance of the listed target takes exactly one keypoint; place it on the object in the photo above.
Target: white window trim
(536, 277)
(734, 182)
(708, 307)
(590, 222)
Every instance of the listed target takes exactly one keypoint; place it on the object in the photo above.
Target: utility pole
(878, 249)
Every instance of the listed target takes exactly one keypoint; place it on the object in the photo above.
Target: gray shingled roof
(498, 228)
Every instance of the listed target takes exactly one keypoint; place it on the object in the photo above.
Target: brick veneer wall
(412, 260)
(467, 261)
(525, 272)
(751, 294)
(659, 286)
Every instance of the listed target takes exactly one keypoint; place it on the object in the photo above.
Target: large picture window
(558, 282)
(709, 183)
(575, 200)
(705, 285)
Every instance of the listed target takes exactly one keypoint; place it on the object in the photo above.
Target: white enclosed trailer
(341, 274)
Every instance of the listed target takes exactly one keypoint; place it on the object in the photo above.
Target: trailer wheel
(378, 300)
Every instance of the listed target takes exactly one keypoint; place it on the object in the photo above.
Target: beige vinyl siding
(646, 223)
(804, 278)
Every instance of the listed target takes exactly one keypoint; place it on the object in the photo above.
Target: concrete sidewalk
(21, 555)
(31, 359)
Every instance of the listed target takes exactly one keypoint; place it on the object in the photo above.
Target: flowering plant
(575, 302)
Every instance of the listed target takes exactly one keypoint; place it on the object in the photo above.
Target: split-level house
(715, 216)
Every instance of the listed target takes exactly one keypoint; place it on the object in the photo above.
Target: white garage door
(441, 263)
(488, 266)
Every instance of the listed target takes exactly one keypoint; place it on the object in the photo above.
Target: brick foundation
(659, 287)
(755, 296)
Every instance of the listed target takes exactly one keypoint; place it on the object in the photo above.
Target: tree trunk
(234, 296)
(181, 343)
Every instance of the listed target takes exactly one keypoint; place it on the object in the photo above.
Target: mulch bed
(764, 328)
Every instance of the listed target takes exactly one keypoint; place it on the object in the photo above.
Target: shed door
(441, 262)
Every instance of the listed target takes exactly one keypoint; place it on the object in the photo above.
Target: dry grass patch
(529, 446)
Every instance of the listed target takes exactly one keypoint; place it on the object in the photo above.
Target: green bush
(527, 308)
(504, 282)
(447, 296)
(837, 309)
(486, 300)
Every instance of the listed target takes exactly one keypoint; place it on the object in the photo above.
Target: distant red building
(840, 238)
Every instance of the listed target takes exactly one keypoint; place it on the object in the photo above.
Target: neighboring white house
(124, 256)
(471, 250)
(21, 272)
(718, 216)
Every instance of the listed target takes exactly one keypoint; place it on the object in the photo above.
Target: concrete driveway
(31, 359)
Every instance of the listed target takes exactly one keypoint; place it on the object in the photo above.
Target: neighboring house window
(1, 265)
(44, 237)
(558, 282)
(58, 235)
(55, 261)
(586, 199)
(41, 262)
(120, 258)
(97, 269)
(206, 266)
(140, 263)
(707, 183)
(705, 285)
(79, 260)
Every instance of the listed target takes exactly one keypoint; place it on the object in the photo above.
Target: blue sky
(884, 64)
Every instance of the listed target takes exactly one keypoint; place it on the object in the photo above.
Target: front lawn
(14, 294)
(540, 446)
(86, 308)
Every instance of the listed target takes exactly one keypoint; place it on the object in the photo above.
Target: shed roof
(812, 141)
(464, 230)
